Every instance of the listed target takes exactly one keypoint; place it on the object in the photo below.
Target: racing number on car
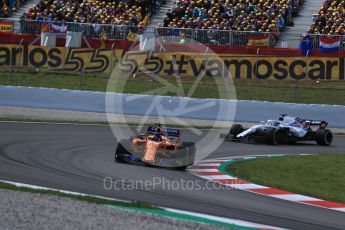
(76, 59)
(131, 60)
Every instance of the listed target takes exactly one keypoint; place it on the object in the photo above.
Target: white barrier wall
(247, 111)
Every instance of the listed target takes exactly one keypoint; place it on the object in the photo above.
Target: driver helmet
(303, 124)
(158, 135)
(276, 123)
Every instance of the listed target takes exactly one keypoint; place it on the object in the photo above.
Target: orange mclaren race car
(159, 147)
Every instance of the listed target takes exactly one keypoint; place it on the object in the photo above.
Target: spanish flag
(258, 41)
(6, 27)
(132, 36)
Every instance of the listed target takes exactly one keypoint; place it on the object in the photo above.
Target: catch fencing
(204, 36)
(120, 32)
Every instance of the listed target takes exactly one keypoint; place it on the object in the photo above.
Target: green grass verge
(321, 176)
(90, 199)
(324, 92)
(59, 80)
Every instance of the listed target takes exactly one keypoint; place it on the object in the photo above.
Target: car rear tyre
(236, 129)
(120, 150)
(181, 168)
(324, 137)
(272, 137)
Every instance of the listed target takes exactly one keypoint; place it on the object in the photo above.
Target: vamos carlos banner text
(172, 63)
(238, 67)
(59, 58)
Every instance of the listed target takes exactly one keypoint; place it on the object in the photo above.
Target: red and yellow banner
(258, 41)
(6, 27)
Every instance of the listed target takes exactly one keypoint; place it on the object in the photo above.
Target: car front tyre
(120, 150)
(271, 137)
(117, 158)
(236, 129)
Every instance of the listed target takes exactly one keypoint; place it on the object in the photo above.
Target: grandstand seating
(129, 12)
(330, 19)
(6, 7)
(240, 15)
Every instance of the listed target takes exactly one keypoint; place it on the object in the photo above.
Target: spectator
(7, 7)
(330, 19)
(5, 10)
(128, 12)
(240, 15)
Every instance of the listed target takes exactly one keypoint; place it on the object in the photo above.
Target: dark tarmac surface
(79, 157)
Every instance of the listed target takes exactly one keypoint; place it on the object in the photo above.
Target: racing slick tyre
(236, 129)
(186, 155)
(324, 137)
(120, 150)
(117, 158)
(283, 137)
(272, 137)
(182, 168)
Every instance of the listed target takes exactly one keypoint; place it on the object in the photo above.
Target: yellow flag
(146, 21)
(104, 37)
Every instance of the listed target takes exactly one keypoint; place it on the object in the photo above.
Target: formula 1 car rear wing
(310, 122)
(322, 124)
(167, 131)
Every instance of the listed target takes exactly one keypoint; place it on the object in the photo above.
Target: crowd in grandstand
(128, 12)
(241, 15)
(8, 6)
(330, 19)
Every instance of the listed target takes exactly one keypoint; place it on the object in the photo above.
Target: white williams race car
(285, 130)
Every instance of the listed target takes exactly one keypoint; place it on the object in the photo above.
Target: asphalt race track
(79, 157)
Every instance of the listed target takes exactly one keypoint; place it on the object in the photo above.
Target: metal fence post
(112, 59)
(64, 60)
(296, 92)
(256, 73)
(81, 78)
(11, 72)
